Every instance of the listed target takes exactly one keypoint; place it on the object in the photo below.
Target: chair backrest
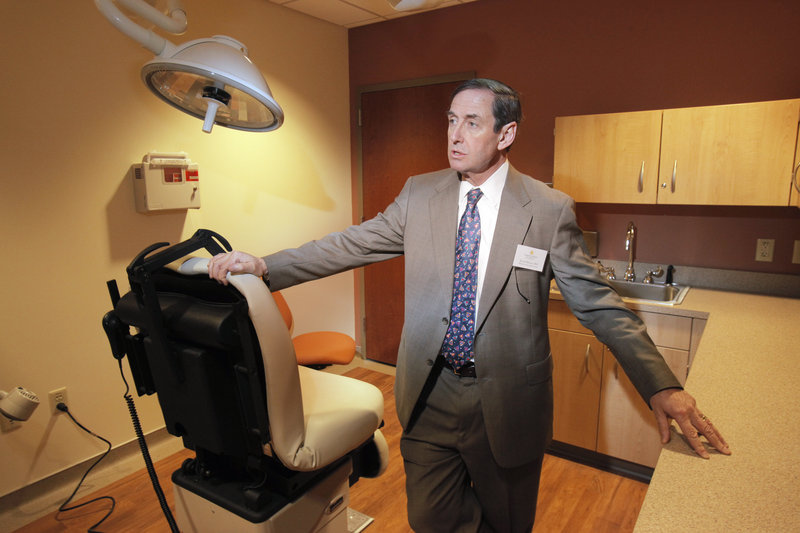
(283, 394)
(195, 348)
(224, 367)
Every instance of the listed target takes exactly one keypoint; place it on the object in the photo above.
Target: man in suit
(474, 387)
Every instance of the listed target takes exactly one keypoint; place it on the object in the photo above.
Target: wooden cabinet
(596, 405)
(728, 155)
(611, 158)
(740, 154)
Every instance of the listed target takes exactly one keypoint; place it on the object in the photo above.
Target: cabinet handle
(794, 177)
(586, 357)
(641, 178)
(616, 370)
(674, 172)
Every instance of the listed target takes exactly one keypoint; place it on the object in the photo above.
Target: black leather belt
(466, 371)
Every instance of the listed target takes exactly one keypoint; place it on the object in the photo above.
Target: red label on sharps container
(173, 174)
(192, 175)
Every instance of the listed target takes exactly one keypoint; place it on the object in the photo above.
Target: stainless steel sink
(650, 292)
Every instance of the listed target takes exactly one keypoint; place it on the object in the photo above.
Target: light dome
(214, 80)
(211, 79)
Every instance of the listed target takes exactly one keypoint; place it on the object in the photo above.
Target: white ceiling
(352, 13)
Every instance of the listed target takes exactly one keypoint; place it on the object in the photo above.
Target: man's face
(474, 149)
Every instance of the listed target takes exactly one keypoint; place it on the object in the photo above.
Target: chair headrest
(283, 394)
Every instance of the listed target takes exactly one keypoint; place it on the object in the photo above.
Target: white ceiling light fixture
(211, 79)
(413, 5)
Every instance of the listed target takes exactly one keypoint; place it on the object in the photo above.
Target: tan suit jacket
(512, 350)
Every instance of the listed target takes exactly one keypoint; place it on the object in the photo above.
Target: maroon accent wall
(582, 57)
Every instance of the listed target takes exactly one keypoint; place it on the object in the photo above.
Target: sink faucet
(607, 272)
(630, 238)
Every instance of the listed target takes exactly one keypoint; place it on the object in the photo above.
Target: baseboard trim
(601, 462)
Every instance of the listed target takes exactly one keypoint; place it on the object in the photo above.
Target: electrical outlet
(765, 248)
(56, 397)
(796, 252)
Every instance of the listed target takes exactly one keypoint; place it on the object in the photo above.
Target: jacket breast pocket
(540, 371)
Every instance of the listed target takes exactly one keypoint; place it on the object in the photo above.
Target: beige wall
(75, 117)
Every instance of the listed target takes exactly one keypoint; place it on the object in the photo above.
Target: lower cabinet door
(626, 427)
(577, 360)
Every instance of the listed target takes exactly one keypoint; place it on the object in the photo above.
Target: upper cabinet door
(737, 154)
(609, 158)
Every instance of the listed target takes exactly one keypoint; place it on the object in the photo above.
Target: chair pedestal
(322, 509)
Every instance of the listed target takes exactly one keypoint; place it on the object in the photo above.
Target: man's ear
(507, 135)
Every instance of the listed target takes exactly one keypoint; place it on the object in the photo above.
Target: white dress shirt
(488, 207)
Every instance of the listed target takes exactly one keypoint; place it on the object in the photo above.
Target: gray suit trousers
(453, 482)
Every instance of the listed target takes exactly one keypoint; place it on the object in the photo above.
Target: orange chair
(318, 348)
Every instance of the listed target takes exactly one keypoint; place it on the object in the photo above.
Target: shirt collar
(492, 188)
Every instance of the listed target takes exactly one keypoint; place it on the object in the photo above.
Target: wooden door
(738, 154)
(403, 133)
(608, 158)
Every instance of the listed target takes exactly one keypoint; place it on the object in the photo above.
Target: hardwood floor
(572, 497)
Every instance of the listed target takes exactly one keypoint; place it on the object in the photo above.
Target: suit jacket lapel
(443, 207)
(513, 223)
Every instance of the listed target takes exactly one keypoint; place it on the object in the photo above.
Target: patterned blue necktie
(457, 346)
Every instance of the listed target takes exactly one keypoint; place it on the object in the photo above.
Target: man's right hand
(235, 263)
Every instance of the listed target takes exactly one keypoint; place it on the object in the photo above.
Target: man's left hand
(679, 405)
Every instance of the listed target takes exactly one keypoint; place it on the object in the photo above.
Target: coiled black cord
(151, 471)
(63, 507)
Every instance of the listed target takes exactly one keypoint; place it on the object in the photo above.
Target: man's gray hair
(506, 108)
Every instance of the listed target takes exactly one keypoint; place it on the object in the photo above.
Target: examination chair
(277, 445)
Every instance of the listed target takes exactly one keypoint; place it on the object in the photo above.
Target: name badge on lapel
(530, 258)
